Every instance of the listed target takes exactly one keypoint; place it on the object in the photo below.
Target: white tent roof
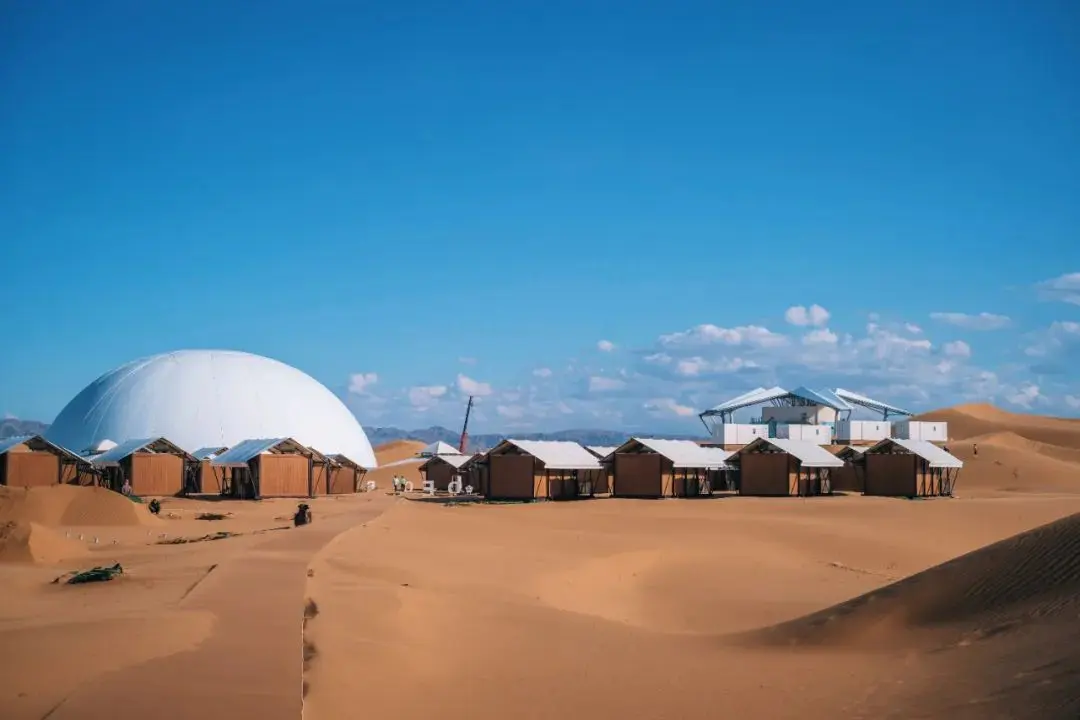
(937, 457)
(558, 454)
(687, 453)
(456, 460)
(870, 403)
(208, 453)
(838, 399)
(243, 452)
(717, 457)
(115, 455)
(807, 453)
(601, 451)
(438, 448)
(208, 398)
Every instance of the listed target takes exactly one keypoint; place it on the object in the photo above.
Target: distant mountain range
(378, 436)
(11, 427)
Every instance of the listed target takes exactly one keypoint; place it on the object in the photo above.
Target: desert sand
(835, 607)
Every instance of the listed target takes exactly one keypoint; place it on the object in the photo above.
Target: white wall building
(820, 416)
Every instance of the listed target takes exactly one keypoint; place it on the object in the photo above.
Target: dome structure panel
(203, 398)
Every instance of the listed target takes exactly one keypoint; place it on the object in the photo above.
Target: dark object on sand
(212, 516)
(154, 507)
(98, 574)
(220, 535)
(302, 516)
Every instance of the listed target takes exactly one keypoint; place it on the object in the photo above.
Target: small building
(602, 485)
(268, 467)
(33, 461)
(441, 469)
(775, 467)
(152, 466)
(211, 480)
(537, 469)
(899, 467)
(652, 468)
(851, 477)
(346, 475)
(920, 430)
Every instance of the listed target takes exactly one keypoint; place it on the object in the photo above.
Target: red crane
(464, 441)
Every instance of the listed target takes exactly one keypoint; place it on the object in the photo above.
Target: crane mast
(464, 441)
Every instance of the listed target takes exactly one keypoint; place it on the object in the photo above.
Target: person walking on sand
(975, 449)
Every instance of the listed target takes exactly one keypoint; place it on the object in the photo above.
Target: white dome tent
(204, 398)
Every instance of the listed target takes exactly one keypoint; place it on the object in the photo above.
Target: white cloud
(360, 382)
(605, 346)
(564, 408)
(424, 396)
(957, 348)
(9, 416)
(1072, 402)
(913, 328)
(800, 316)
(982, 321)
(1026, 396)
(513, 412)
(669, 406)
(822, 336)
(694, 366)
(598, 383)
(1059, 336)
(467, 386)
(884, 343)
(1064, 288)
(658, 359)
(750, 335)
(467, 360)
(542, 372)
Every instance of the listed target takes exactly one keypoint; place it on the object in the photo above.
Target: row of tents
(274, 467)
(654, 468)
(512, 470)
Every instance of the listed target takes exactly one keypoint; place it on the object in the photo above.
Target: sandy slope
(72, 505)
(29, 542)
(970, 421)
(209, 611)
(397, 458)
(398, 450)
(616, 608)
(999, 623)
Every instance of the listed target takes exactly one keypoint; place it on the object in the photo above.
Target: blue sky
(418, 199)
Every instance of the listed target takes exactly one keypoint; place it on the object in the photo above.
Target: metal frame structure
(841, 400)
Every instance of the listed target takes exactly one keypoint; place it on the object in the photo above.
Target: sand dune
(617, 608)
(398, 450)
(1000, 624)
(397, 458)
(1035, 574)
(33, 543)
(971, 421)
(1013, 441)
(71, 505)
(116, 649)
